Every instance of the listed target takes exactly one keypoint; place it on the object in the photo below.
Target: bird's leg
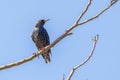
(41, 49)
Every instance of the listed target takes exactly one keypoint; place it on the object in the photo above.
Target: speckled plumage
(41, 39)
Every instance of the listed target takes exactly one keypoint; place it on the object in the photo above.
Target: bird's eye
(42, 20)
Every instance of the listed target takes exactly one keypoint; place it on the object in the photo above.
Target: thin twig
(91, 52)
(86, 60)
(90, 19)
(84, 11)
(79, 18)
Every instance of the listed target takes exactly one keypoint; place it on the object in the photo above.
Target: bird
(41, 38)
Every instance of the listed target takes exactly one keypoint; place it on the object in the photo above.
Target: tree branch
(65, 34)
(90, 19)
(86, 60)
(80, 17)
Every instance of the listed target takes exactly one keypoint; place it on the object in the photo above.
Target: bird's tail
(46, 56)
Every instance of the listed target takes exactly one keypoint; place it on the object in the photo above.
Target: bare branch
(79, 18)
(91, 53)
(71, 28)
(65, 34)
(84, 11)
(112, 3)
(86, 60)
(20, 61)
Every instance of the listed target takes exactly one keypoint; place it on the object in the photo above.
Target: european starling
(41, 38)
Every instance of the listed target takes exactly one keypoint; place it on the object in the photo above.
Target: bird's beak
(46, 20)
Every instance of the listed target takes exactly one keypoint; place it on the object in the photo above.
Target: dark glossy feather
(41, 39)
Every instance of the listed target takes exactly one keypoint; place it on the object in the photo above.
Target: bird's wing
(34, 34)
(47, 40)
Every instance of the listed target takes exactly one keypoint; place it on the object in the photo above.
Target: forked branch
(67, 33)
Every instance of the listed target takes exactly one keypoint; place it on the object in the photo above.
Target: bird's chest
(38, 38)
(38, 34)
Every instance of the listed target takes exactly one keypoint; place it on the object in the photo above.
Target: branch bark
(65, 34)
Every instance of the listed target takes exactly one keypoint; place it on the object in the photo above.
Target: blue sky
(18, 18)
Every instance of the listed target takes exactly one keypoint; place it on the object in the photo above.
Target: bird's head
(41, 22)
